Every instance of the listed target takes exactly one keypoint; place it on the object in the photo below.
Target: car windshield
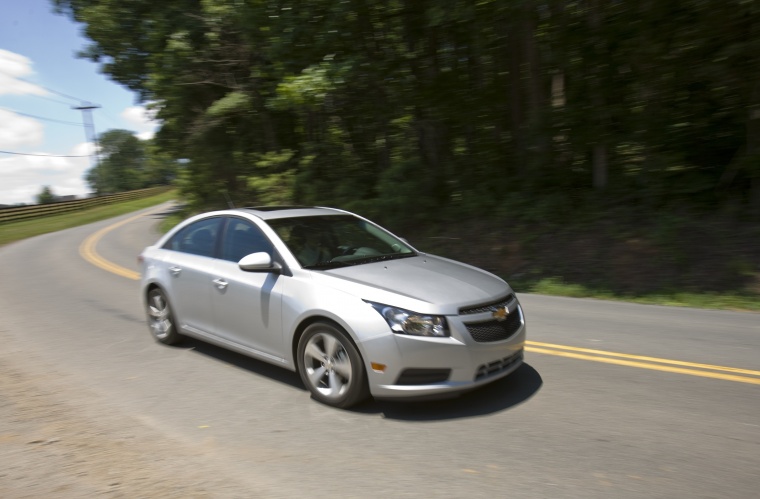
(331, 241)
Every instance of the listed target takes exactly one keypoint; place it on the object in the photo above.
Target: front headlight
(405, 322)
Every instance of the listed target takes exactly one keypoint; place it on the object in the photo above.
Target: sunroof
(278, 208)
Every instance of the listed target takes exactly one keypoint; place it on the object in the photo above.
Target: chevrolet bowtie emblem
(500, 314)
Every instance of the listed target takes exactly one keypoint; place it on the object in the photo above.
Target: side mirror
(259, 262)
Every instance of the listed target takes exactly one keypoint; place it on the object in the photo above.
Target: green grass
(15, 231)
(722, 301)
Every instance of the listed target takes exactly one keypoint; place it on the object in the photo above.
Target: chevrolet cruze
(355, 310)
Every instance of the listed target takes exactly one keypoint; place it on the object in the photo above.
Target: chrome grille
(489, 331)
(488, 307)
(498, 366)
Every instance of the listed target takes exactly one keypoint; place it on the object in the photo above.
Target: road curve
(562, 426)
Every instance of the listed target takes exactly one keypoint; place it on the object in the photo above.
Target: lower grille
(498, 366)
(423, 376)
(486, 332)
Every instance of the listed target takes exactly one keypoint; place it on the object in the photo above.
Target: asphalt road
(615, 400)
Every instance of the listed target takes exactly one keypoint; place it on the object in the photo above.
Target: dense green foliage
(120, 164)
(127, 163)
(403, 107)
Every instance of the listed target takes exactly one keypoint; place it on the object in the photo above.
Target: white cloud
(13, 67)
(17, 130)
(83, 149)
(142, 119)
(22, 177)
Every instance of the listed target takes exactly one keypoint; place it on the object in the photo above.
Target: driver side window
(242, 238)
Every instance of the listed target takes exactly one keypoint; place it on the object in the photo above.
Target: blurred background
(591, 148)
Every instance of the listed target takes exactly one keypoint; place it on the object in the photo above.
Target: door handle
(220, 283)
(175, 270)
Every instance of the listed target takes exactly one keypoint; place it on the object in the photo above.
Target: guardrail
(16, 213)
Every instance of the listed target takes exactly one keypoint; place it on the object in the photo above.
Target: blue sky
(38, 63)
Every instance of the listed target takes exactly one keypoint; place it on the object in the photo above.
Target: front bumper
(455, 364)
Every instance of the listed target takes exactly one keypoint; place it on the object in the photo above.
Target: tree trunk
(753, 149)
(514, 99)
(600, 166)
(599, 160)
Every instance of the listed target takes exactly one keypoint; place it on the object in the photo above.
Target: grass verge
(708, 300)
(698, 261)
(15, 231)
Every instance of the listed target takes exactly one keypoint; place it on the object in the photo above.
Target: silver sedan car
(355, 310)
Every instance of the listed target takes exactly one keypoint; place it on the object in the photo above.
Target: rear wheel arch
(162, 320)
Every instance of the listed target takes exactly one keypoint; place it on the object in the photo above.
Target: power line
(42, 118)
(51, 100)
(62, 94)
(56, 92)
(89, 126)
(43, 155)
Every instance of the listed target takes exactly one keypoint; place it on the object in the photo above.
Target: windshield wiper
(327, 265)
(381, 258)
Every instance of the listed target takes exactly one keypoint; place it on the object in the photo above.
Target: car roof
(274, 212)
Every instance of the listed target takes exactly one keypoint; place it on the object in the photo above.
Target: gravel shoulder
(58, 440)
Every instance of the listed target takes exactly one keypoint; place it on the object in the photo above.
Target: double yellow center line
(88, 252)
(643, 362)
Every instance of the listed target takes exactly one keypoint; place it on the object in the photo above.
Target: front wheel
(160, 318)
(331, 366)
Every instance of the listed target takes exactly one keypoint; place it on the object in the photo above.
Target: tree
(477, 107)
(46, 196)
(121, 164)
(159, 168)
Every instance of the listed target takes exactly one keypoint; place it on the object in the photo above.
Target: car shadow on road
(261, 368)
(498, 396)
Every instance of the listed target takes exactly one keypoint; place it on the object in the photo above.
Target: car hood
(424, 283)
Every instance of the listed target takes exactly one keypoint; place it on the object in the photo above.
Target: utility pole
(89, 132)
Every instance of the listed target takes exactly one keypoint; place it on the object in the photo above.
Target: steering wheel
(347, 250)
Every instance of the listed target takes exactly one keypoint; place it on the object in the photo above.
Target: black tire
(161, 320)
(331, 367)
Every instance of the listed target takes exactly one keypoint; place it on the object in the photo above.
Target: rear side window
(198, 238)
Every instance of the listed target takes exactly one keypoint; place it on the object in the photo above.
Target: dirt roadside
(57, 440)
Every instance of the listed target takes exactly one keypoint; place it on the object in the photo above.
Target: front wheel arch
(308, 321)
(330, 364)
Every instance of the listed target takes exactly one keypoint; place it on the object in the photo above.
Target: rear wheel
(331, 366)
(161, 319)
